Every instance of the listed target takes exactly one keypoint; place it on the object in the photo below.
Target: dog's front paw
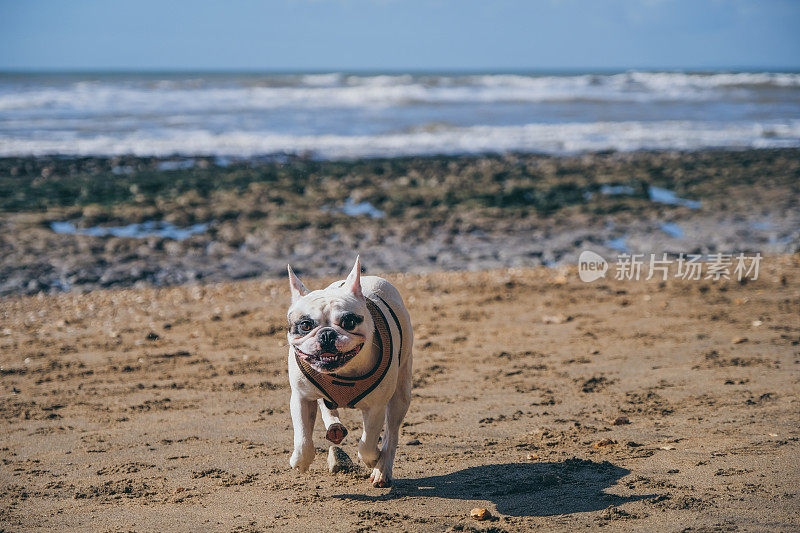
(301, 459)
(336, 433)
(379, 478)
(368, 456)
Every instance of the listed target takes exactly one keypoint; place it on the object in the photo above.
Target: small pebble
(621, 421)
(604, 443)
(479, 513)
(555, 319)
(413, 442)
(739, 340)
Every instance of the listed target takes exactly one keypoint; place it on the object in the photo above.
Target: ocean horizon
(334, 115)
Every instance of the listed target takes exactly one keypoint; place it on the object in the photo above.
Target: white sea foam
(336, 90)
(546, 138)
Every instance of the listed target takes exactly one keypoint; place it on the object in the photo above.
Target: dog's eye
(305, 326)
(349, 322)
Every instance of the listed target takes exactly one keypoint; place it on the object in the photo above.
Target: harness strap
(348, 391)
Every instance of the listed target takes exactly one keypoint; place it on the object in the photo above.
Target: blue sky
(398, 34)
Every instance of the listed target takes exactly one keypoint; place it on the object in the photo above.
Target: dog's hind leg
(395, 412)
(368, 444)
(335, 430)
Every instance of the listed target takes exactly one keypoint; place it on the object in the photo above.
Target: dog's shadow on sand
(520, 489)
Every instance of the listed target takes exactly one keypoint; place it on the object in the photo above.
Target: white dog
(349, 346)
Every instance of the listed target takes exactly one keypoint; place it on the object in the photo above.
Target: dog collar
(348, 391)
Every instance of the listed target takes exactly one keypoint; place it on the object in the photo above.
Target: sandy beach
(590, 209)
(553, 403)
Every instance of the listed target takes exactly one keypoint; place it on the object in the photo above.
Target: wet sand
(166, 409)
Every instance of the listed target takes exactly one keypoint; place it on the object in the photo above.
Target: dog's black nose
(327, 339)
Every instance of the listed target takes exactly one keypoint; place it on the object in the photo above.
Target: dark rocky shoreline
(441, 213)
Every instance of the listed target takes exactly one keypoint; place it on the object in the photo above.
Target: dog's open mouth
(328, 362)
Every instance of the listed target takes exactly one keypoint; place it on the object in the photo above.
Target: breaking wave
(544, 138)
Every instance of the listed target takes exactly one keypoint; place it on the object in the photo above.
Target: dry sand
(166, 409)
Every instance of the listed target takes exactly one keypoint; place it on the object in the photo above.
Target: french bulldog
(349, 346)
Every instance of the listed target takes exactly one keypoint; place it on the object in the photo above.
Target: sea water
(347, 115)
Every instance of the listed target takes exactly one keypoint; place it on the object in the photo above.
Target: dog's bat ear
(295, 285)
(353, 282)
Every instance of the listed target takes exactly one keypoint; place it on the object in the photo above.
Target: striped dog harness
(348, 391)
